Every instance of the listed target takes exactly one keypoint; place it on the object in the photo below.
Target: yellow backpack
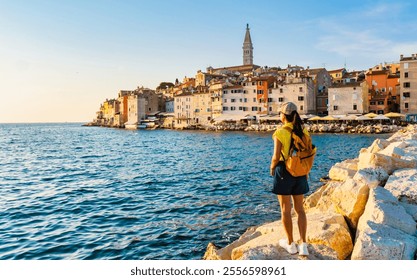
(301, 155)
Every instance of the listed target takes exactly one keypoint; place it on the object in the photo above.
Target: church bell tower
(247, 48)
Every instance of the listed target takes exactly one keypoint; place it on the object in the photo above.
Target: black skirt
(286, 184)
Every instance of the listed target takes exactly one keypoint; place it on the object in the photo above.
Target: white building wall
(253, 105)
(184, 110)
(136, 109)
(301, 94)
(202, 108)
(347, 99)
(408, 85)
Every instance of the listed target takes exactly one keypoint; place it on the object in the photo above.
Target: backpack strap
(291, 142)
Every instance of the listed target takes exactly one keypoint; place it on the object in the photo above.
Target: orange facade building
(383, 96)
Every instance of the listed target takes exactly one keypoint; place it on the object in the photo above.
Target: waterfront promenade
(366, 211)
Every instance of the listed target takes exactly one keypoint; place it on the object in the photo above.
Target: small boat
(147, 124)
(131, 125)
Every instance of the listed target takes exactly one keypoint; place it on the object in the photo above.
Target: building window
(300, 98)
(254, 99)
(372, 103)
(355, 107)
(300, 89)
(281, 90)
(254, 91)
(281, 99)
(406, 65)
(406, 94)
(406, 105)
(380, 102)
(406, 85)
(225, 108)
(254, 109)
(233, 100)
(270, 100)
(245, 108)
(301, 108)
(240, 109)
(406, 75)
(335, 108)
(245, 100)
(233, 108)
(260, 83)
(224, 100)
(270, 109)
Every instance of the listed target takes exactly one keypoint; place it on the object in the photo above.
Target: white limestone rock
(328, 229)
(325, 203)
(343, 170)
(395, 149)
(213, 253)
(410, 150)
(331, 230)
(385, 230)
(411, 209)
(275, 252)
(378, 145)
(383, 208)
(381, 242)
(372, 177)
(320, 200)
(350, 200)
(388, 163)
(403, 185)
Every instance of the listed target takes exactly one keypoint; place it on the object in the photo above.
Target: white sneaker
(302, 249)
(290, 248)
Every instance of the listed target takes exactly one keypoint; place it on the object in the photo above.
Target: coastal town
(247, 97)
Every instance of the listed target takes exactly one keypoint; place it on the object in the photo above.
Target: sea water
(74, 192)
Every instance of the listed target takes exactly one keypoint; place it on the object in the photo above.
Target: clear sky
(60, 59)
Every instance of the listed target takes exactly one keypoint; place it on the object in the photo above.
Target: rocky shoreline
(366, 211)
(313, 128)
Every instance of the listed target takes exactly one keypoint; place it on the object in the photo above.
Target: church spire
(247, 48)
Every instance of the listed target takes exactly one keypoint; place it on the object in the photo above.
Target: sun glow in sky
(60, 59)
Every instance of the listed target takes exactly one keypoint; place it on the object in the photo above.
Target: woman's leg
(302, 219)
(285, 204)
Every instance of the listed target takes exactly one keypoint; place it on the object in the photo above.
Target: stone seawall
(366, 211)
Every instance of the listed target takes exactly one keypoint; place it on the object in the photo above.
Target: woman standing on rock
(285, 185)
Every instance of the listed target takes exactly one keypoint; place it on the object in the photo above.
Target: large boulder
(343, 170)
(385, 230)
(372, 177)
(378, 145)
(403, 185)
(388, 163)
(327, 229)
(350, 199)
(321, 201)
(383, 208)
(381, 242)
(214, 253)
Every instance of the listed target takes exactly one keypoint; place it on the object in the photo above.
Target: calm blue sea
(74, 192)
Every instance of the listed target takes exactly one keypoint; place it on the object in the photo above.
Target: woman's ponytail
(297, 123)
